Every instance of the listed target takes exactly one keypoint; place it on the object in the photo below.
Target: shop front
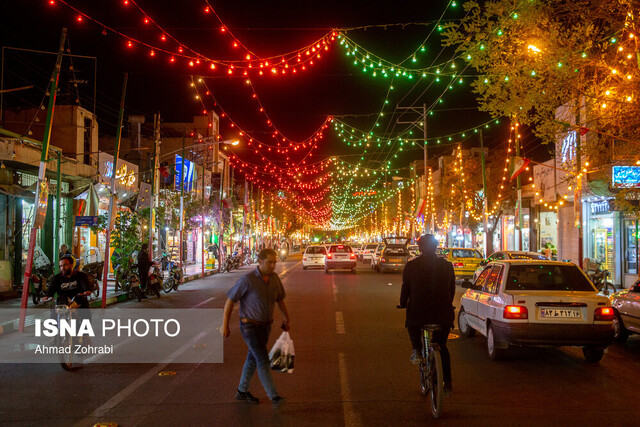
(602, 236)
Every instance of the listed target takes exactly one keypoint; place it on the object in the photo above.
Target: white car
(537, 303)
(340, 256)
(313, 257)
(368, 251)
(626, 304)
(375, 257)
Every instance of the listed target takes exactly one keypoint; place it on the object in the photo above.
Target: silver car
(626, 304)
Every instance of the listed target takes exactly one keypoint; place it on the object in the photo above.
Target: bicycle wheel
(66, 359)
(167, 285)
(436, 383)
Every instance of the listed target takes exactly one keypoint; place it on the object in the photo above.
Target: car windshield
(340, 249)
(371, 246)
(547, 278)
(465, 253)
(537, 257)
(315, 250)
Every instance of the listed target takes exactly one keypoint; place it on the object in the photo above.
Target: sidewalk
(41, 311)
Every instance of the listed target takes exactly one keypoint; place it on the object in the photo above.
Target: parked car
(395, 254)
(465, 261)
(340, 256)
(536, 303)
(501, 255)
(626, 305)
(313, 257)
(357, 249)
(375, 257)
(414, 250)
(367, 251)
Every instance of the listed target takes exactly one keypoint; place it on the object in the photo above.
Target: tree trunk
(489, 242)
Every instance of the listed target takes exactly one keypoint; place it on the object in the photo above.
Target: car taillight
(603, 314)
(304, 258)
(458, 264)
(516, 312)
(383, 260)
(329, 256)
(352, 256)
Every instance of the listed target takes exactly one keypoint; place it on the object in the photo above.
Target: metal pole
(56, 227)
(181, 199)
(578, 190)
(114, 195)
(154, 167)
(204, 165)
(485, 202)
(426, 155)
(518, 220)
(53, 89)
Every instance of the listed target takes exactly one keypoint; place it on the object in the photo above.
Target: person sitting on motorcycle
(144, 263)
(70, 285)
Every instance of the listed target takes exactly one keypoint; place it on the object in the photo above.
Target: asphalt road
(352, 368)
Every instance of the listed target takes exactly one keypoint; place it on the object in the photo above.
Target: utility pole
(518, 219)
(155, 181)
(41, 205)
(181, 198)
(422, 123)
(56, 227)
(485, 202)
(577, 195)
(114, 195)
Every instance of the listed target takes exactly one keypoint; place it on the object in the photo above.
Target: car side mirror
(483, 262)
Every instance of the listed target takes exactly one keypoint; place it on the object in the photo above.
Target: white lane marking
(203, 302)
(340, 328)
(334, 288)
(124, 393)
(351, 417)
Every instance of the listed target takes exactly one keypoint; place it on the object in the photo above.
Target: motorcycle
(283, 254)
(94, 271)
(155, 281)
(173, 280)
(39, 283)
(128, 282)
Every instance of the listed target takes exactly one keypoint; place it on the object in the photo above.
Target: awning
(15, 190)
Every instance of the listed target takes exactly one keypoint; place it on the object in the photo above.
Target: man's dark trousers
(440, 336)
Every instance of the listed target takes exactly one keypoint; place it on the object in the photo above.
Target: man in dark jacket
(144, 263)
(428, 288)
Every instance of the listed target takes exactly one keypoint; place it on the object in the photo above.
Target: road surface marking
(203, 302)
(340, 328)
(334, 288)
(131, 388)
(351, 417)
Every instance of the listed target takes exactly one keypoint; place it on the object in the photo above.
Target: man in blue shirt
(257, 292)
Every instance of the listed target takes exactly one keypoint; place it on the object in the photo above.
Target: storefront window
(630, 247)
(548, 230)
(603, 248)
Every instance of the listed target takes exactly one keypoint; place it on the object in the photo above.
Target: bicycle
(67, 313)
(430, 369)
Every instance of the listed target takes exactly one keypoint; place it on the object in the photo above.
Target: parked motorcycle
(94, 271)
(155, 280)
(39, 283)
(128, 282)
(173, 280)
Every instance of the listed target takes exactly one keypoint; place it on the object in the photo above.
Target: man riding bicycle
(428, 288)
(70, 285)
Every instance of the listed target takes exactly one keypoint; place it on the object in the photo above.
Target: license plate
(394, 260)
(561, 313)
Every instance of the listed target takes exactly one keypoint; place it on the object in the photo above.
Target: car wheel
(592, 354)
(326, 271)
(304, 267)
(463, 324)
(620, 333)
(494, 347)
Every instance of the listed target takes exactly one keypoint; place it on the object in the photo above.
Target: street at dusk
(306, 214)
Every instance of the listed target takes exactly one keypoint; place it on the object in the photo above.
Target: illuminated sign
(600, 207)
(625, 177)
(568, 150)
(189, 170)
(126, 173)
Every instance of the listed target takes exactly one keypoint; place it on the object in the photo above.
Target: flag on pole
(420, 207)
(519, 165)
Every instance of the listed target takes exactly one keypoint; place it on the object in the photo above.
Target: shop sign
(626, 177)
(126, 173)
(86, 221)
(189, 170)
(43, 201)
(600, 207)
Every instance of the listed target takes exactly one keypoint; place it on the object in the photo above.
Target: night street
(352, 368)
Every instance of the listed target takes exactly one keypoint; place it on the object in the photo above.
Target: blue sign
(86, 221)
(626, 177)
(189, 169)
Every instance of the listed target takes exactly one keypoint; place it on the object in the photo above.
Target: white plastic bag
(282, 354)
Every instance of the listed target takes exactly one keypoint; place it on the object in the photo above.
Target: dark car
(395, 255)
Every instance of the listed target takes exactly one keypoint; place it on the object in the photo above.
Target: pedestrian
(257, 291)
(144, 263)
(428, 288)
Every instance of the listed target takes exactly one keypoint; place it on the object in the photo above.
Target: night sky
(297, 104)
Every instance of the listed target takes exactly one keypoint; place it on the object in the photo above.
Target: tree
(533, 57)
